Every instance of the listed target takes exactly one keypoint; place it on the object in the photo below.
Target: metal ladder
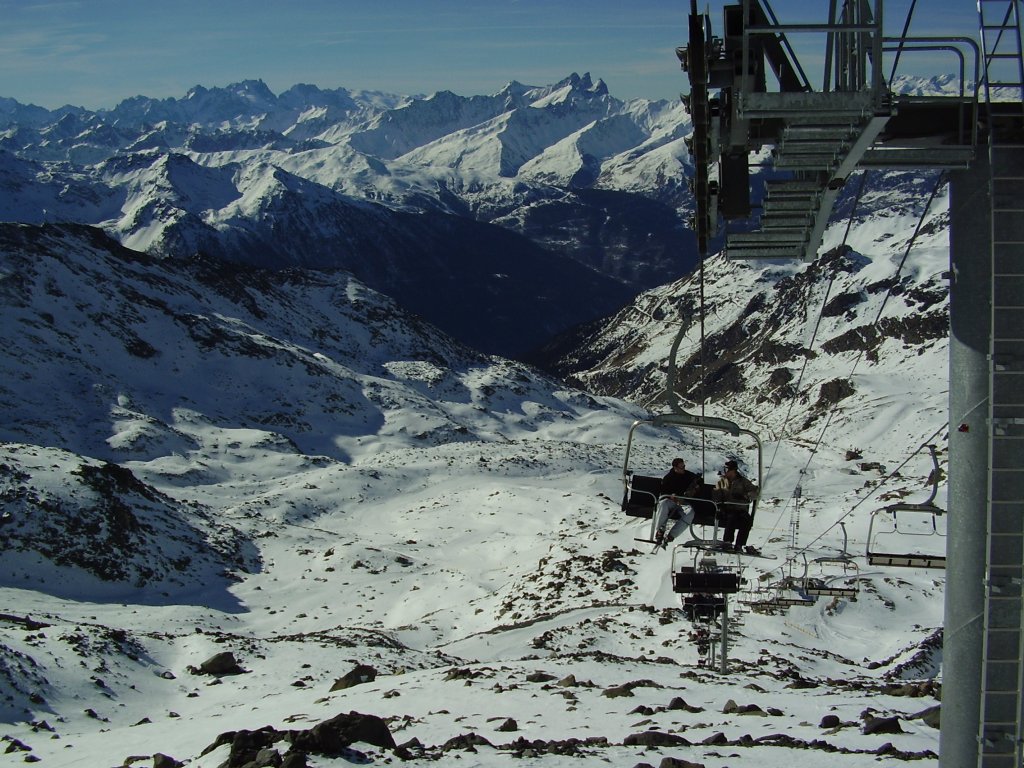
(1001, 732)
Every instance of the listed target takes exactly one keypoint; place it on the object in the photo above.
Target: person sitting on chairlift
(734, 492)
(679, 482)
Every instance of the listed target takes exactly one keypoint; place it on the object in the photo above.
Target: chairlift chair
(791, 592)
(878, 550)
(791, 600)
(836, 576)
(641, 493)
(754, 596)
(778, 601)
(835, 586)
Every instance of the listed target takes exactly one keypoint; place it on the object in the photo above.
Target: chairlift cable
(903, 40)
(878, 487)
(835, 407)
(817, 326)
(881, 309)
(881, 484)
(810, 345)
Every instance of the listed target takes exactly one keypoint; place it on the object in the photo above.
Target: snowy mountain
(268, 517)
(560, 196)
(792, 345)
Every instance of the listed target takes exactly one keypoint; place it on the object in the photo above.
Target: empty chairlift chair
(832, 575)
(909, 535)
(790, 592)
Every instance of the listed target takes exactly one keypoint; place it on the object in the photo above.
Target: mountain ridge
(572, 172)
(473, 175)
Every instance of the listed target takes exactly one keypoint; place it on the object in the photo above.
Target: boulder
(655, 739)
(873, 725)
(361, 673)
(678, 703)
(930, 716)
(332, 736)
(467, 741)
(539, 677)
(620, 690)
(266, 758)
(218, 665)
(678, 762)
(752, 709)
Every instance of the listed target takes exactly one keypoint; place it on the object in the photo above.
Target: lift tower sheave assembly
(818, 138)
(749, 93)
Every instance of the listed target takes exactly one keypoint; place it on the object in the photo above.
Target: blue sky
(94, 53)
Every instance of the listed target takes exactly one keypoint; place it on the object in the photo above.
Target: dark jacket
(680, 483)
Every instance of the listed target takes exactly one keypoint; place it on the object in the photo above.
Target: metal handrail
(941, 43)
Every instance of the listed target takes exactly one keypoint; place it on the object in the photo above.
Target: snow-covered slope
(380, 521)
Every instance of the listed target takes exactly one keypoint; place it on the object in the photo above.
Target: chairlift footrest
(907, 561)
(688, 581)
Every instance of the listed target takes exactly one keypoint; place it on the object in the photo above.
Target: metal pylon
(1002, 695)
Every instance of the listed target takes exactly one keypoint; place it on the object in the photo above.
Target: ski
(717, 546)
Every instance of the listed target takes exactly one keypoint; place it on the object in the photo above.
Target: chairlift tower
(820, 134)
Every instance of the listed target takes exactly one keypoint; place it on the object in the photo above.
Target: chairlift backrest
(690, 581)
(640, 496)
(826, 590)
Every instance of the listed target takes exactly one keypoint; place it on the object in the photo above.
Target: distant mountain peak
(254, 90)
(195, 92)
(584, 84)
(937, 85)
